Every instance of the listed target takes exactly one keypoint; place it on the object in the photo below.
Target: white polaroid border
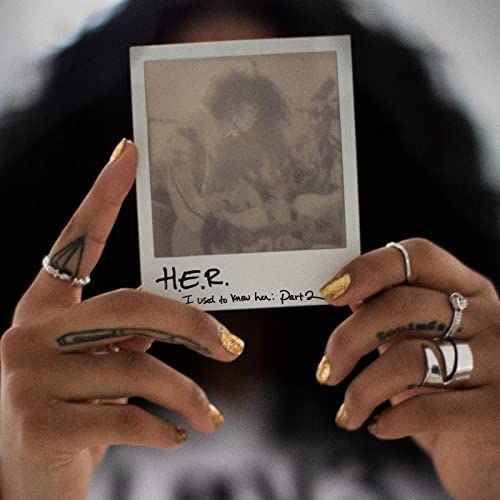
(248, 280)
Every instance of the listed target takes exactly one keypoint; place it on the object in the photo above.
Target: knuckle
(199, 321)
(197, 396)
(8, 342)
(132, 421)
(370, 268)
(407, 358)
(356, 395)
(401, 298)
(422, 247)
(338, 342)
(122, 301)
(13, 344)
(489, 287)
(136, 363)
(37, 422)
(412, 358)
(19, 386)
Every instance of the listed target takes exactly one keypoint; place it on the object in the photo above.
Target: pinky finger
(112, 424)
(457, 411)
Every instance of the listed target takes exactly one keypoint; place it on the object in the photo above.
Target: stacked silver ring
(459, 304)
(406, 258)
(456, 356)
(458, 363)
(62, 275)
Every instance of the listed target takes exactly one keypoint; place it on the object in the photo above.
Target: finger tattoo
(89, 336)
(412, 327)
(69, 258)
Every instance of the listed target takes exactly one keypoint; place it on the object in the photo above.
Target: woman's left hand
(458, 424)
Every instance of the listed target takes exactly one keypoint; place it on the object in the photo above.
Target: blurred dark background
(427, 167)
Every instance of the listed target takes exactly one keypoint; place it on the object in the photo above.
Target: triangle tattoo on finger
(69, 258)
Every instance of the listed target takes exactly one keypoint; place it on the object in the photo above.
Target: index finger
(80, 245)
(432, 268)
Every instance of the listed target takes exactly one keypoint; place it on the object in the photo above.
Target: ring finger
(396, 313)
(127, 374)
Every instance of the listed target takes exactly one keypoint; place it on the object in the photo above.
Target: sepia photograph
(247, 168)
(245, 154)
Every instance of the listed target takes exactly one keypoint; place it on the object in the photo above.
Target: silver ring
(107, 349)
(459, 304)
(406, 257)
(457, 359)
(60, 274)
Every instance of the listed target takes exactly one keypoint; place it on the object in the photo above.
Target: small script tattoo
(88, 336)
(69, 258)
(433, 326)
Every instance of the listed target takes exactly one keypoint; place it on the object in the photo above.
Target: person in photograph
(244, 202)
(240, 204)
(94, 386)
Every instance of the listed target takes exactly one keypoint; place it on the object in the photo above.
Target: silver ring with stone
(459, 304)
(406, 258)
(62, 274)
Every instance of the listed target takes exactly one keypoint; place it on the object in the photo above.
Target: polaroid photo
(247, 181)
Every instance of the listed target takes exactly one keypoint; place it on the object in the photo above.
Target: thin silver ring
(458, 361)
(459, 304)
(107, 349)
(406, 257)
(61, 275)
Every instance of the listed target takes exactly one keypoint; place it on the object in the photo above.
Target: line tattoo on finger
(433, 326)
(94, 335)
(68, 259)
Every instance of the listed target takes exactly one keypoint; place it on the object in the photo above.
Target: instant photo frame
(247, 179)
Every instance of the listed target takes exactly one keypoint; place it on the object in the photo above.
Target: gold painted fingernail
(117, 152)
(336, 288)
(216, 416)
(231, 343)
(342, 417)
(372, 427)
(323, 371)
(180, 435)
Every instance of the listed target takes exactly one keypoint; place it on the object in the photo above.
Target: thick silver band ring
(62, 275)
(406, 258)
(459, 304)
(457, 359)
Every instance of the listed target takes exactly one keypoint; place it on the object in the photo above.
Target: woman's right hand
(68, 366)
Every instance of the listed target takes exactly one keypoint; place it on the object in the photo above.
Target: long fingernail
(180, 435)
(342, 418)
(231, 343)
(335, 288)
(216, 416)
(117, 152)
(323, 371)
